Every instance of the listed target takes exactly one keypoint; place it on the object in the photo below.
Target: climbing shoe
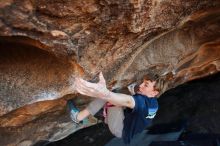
(73, 111)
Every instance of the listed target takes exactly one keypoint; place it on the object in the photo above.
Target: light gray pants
(115, 116)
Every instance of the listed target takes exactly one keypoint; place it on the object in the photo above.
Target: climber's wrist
(107, 94)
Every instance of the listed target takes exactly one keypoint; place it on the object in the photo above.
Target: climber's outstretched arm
(99, 90)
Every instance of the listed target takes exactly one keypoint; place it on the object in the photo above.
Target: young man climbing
(127, 115)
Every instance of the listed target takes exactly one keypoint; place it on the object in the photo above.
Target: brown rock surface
(45, 44)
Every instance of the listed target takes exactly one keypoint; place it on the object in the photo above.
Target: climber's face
(147, 88)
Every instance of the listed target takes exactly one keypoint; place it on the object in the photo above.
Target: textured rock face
(44, 45)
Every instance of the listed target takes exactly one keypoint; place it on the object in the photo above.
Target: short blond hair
(160, 84)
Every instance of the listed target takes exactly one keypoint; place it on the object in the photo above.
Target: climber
(127, 115)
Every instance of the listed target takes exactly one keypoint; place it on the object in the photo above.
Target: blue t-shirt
(138, 118)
